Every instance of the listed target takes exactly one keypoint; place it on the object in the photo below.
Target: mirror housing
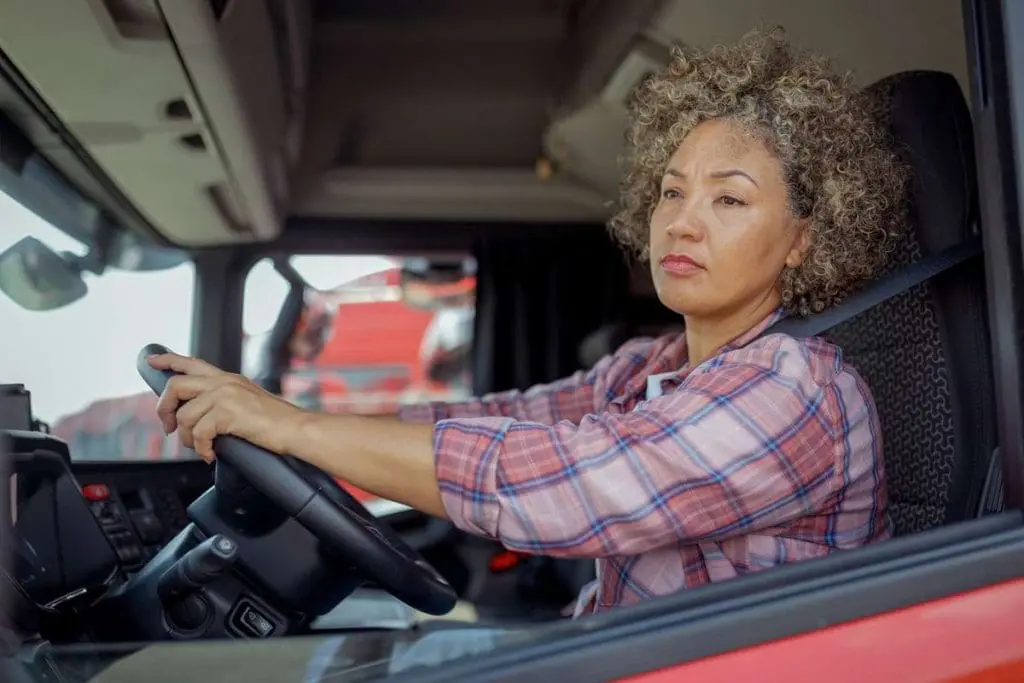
(128, 252)
(433, 284)
(39, 279)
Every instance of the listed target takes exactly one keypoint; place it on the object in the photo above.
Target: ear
(801, 244)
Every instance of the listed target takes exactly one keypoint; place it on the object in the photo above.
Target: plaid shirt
(768, 453)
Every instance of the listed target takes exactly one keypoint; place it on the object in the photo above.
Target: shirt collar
(673, 364)
(754, 332)
(740, 341)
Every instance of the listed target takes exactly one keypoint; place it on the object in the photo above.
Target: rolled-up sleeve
(748, 445)
(567, 399)
(570, 398)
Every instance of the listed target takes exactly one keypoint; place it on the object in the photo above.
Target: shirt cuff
(466, 453)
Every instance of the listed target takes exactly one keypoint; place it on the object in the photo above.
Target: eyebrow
(718, 175)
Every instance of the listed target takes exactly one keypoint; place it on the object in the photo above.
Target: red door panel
(973, 637)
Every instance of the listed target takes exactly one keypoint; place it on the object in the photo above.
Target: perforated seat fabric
(925, 354)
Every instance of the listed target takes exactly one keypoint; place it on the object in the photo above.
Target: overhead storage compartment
(192, 108)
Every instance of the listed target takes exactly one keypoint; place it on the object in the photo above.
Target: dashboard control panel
(141, 506)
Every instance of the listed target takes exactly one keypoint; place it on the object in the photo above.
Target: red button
(504, 560)
(96, 492)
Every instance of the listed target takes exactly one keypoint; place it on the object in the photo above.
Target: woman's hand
(388, 458)
(204, 402)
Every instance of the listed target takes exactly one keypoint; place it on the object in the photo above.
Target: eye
(671, 193)
(732, 201)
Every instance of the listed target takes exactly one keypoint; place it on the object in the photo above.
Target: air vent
(193, 142)
(136, 19)
(177, 110)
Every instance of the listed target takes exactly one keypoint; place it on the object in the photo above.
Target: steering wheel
(323, 507)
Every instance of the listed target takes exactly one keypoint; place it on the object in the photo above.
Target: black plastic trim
(757, 608)
(998, 102)
(311, 235)
(217, 307)
(6, 470)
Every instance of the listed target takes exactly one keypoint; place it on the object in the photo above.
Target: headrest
(928, 117)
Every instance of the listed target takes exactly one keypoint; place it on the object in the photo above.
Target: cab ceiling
(439, 108)
(447, 106)
(439, 82)
(460, 84)
(220, 119)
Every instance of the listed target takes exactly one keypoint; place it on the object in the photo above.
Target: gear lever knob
(202, 565)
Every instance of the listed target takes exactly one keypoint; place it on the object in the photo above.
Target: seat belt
(879, 291)
(991, 500)
(883, 290)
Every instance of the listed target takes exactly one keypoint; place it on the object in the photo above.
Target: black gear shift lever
(180, 587)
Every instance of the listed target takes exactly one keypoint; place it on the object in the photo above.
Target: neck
(706, 335)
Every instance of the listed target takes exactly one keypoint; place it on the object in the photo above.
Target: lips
(680, 264)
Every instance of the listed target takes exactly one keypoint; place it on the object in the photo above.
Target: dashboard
(141, 506)
(122, 551)
(141, 510)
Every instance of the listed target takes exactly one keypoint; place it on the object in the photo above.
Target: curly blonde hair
(839, 164)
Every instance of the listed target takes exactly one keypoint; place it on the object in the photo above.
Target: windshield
(78, 361)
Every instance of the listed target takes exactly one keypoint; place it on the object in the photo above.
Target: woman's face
(722, 231)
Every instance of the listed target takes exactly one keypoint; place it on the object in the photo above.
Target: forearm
(567, 399)
(386, 457)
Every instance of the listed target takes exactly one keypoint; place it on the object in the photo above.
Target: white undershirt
(654, 383)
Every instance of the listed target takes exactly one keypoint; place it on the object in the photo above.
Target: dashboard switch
(96, 492)
(148, 526)
(106, 512)
(249, 621)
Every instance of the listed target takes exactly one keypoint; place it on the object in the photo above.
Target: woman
(758, 185)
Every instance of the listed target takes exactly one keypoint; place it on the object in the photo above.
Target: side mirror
(435, 271)
(437, 284)
(39, 279)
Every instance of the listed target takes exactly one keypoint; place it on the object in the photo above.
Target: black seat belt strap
(992, 491)
(879, 291)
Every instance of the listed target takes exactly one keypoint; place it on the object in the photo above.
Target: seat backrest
(925, 354)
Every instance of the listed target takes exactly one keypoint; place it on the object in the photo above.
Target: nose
(685, 221)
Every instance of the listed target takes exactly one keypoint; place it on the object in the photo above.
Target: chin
(684, 298)
(686, 304)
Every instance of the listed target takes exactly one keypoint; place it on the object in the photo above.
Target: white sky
(72, 356)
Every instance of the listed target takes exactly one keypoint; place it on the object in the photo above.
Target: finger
(179, 389)
(190, 413)
(183, 365)
(203, 434)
